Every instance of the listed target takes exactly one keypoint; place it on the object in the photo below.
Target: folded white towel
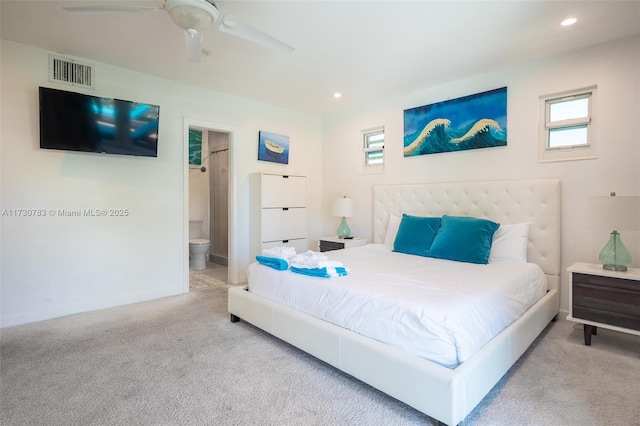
(313, 259)
(313, 264)
(330, 264)
(311, 255)
(282, 252)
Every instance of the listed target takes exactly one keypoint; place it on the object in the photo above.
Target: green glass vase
(343, 228)
(615, 256)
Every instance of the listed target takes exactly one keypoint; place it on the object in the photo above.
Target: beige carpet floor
(180, 361)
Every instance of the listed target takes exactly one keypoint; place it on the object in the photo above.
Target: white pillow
(392, 229)
(510, 243)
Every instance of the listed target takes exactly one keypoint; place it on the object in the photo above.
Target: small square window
(566, 130)
(374, 147)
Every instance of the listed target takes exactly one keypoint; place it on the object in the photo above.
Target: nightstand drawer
(330, 245)
(607, 300)
(606, 289)
(335, 243)
(603, 298)
(607, 282)
(618, 319)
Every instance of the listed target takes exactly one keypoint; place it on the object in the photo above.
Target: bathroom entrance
(210, 199)
(219, 197)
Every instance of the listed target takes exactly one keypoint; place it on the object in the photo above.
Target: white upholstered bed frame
(447, 395)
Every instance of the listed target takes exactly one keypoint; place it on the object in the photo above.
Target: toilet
(198, 246)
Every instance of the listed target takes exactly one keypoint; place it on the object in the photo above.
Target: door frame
(233, 273)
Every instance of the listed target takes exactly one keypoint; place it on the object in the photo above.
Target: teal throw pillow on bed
(464, 239)
(415, 234)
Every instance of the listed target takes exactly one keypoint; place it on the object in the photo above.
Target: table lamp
(619, 213)
(343, 207)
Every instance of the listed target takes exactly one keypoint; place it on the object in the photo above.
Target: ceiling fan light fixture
(192, 14)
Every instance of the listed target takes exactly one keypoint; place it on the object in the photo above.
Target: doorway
(222, 223)
(219, 198)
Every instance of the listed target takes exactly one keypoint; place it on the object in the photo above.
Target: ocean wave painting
(469, 122)
(273, 147)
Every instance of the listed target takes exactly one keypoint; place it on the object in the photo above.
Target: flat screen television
(76, 122)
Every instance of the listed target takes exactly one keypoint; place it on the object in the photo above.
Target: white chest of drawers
(278, 212)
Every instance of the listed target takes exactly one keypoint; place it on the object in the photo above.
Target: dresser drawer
(284, 191)
(284, 224)
(300, 244)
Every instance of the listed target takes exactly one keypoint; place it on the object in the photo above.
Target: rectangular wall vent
(68, 71)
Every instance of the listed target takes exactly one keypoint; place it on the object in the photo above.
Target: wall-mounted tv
(76, 122)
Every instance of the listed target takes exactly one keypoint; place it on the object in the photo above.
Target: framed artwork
(273, 147)
(195, 147)
(471, 122)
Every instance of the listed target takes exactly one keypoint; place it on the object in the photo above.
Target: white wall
(53, 266)
(614, 67)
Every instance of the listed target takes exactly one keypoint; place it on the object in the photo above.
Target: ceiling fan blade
(231, 26)
(193, 43)
(96, 10)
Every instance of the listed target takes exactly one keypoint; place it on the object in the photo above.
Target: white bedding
(440, 310)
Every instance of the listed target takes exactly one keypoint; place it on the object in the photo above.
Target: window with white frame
(566, 125)
(373, 147)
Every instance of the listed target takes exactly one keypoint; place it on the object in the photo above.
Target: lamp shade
(344, 207)
(620, 213)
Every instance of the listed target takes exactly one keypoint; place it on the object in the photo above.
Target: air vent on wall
(68, 71)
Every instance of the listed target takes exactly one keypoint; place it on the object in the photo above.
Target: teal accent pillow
(415, 234)
(464, 239)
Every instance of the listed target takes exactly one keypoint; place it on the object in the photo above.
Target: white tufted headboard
(509, 201)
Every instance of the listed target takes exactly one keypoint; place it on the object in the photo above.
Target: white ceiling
(368, 50)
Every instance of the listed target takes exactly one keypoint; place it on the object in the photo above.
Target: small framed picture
(273, 147)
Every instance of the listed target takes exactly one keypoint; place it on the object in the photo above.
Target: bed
(445, 394)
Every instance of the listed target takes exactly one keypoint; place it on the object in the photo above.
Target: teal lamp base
(615, 256)
(343, 229)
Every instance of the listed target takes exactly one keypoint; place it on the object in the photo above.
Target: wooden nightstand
(335, 243)
(607, 299)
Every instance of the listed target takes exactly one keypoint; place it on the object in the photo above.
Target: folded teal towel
(321, 272)
(273, 262)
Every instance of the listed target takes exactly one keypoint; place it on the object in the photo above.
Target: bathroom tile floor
(219, 272)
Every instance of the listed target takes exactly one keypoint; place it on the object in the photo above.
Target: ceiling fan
(193, 16)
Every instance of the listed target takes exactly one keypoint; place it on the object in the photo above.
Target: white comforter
(440, 310)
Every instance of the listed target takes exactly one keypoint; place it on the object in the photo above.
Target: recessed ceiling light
(337, 95)
(569, 21)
